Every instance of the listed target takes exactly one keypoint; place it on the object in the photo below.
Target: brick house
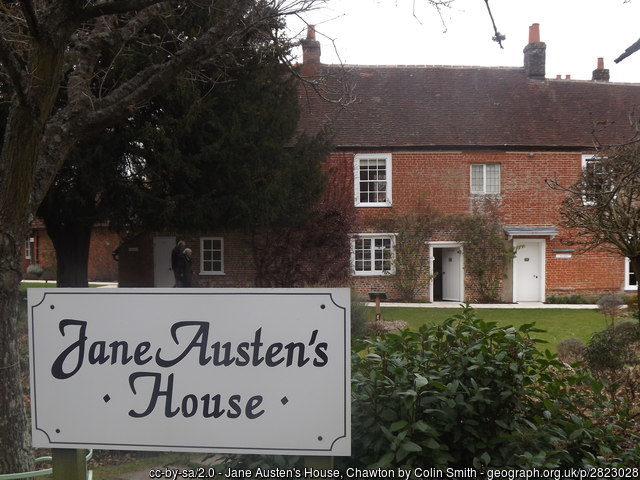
(449, 137)
(446, 139)
(38, 250)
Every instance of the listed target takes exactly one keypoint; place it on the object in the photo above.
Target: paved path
(483, 305)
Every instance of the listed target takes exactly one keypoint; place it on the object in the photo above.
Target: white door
(162, 273)
(528, 270)
(451, 274)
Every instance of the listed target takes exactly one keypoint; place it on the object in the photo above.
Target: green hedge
(470, 394)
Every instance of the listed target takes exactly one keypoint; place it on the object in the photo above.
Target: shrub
(570, 350)
(35, 270)
(571, 299)
(469, 394)
(613, 356)
(359, 317)
(609, 306)
(632, 304)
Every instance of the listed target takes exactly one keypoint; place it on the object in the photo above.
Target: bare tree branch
(14, 71)
(114, 8)
(31, 18)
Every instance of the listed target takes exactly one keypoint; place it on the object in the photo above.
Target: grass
(49, 284)
(558, 323)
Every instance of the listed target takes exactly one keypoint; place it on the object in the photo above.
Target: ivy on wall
(486, 250)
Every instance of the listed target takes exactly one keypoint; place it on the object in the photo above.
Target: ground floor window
(630, 282)
(211, 255)
(373, 254)
(28, 250)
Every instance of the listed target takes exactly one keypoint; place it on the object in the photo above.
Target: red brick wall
(238, 265)
(426, 181)
(42, 253)
(136, 261)
(441, 181)
(101, 267)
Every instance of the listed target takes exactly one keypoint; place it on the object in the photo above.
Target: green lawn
(558, 323)
(49, 284)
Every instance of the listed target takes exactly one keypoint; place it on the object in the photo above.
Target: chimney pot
(567, 77)
(558, 77)
(534, 33)
(311, 32)
(310, 53)
(600, 74)
(535, 54)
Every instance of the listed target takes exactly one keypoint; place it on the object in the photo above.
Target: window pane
(373, 180)
(363, 254)
(477, 178)
(492, 172)
(485, 178)
(372, 255)
(211, 255)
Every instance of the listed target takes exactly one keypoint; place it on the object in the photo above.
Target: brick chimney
(534, 54)
(600, 74)
(310, 53)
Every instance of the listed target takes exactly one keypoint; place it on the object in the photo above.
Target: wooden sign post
(69, 464)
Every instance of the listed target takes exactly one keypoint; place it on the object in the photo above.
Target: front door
(528, 270)
(162, 273)
(451, 274)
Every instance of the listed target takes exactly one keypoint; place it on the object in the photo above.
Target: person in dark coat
(176, 253)
(185, 271)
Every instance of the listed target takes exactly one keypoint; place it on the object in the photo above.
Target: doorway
(447, 266)
(162, 272)
(528, 270)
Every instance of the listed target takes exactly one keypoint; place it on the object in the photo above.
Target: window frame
(484, 178)
(588, 158)
(357, 159)
(373, 237)
(202, 256)
(28, 248)
(627, 275)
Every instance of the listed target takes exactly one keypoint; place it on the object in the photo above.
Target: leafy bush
(613, 356)
(571, 299)
(359, 317)
(469, 394)
(632, 304)
(609, 306)
(614, 348)
(570, 350)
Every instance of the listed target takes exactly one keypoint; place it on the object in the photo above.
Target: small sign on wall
(563, 255)
(211, 370)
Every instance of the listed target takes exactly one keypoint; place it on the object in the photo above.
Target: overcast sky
(387, 32)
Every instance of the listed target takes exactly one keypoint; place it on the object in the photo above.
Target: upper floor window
(373, 254)
(485, 178)
(595, 181)
(372, 180)
(211, 255)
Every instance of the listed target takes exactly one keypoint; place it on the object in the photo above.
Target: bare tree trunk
(18, 163)
(13, 422)
(71, 242)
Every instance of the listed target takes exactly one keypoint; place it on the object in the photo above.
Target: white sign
(211, 370)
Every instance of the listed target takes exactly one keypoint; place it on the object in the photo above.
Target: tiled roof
(435, 107)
